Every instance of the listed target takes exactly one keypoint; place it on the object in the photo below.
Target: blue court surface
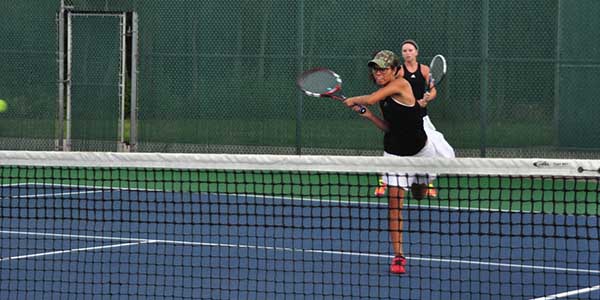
(97, 243)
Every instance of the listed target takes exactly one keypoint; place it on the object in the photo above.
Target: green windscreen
(219, 76)
(578, 111)
(28, 74)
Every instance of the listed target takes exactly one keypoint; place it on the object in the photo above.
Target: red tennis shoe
(398, 265)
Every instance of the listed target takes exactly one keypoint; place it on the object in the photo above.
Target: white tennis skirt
(406, 180)
(436, 146)
(439, 143)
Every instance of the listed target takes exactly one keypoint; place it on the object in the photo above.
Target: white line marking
(49, 195)
(72, 250)
(72, 236)
(14, 184)
(569, 293)
(517, 266)
(383, 202)
(287, 249)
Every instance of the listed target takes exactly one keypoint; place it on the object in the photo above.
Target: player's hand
(350, 102)
(426, 98)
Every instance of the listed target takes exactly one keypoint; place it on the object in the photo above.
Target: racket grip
(362, 109)
(428, 84)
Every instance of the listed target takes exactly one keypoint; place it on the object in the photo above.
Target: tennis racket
(321, 82)
(437, 71)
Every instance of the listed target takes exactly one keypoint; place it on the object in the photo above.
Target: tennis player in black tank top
(404, 136)
(405, 124)
(416, 74)
(417, 83)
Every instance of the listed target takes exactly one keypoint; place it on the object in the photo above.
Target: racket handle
(362, 109)
(428, 84)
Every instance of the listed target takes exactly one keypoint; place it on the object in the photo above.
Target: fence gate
(96, 56)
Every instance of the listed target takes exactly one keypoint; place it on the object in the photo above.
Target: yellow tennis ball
(3, 105)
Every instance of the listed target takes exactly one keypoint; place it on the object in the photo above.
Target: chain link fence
(219, 76)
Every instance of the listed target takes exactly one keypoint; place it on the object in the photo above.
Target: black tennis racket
(321, 82)
(437, 71)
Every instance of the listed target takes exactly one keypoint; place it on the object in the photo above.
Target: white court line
(287, 198)
(97, 187)
(520, 266)
(345, 201)
(287, 249)
(71, 251)
(569, 293)
(73, 236)
(49, 195)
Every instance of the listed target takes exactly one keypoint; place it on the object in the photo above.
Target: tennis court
(59, 239)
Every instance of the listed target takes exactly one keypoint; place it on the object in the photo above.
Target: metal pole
(300, 54)
(67, 146)
(122, 83)
(483, 105)
(134, 87)
(556, 119)
(61, 78)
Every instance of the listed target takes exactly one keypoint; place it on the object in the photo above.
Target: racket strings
(437, 69)
(320, 82)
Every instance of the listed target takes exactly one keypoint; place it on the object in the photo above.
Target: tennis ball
(3, 105)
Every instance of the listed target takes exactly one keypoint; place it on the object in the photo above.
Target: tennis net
(84, 225)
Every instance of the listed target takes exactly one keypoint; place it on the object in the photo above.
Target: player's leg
(396, 201)
(422, 184)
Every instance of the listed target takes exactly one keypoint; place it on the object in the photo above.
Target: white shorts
(406, 180)
(439, 143)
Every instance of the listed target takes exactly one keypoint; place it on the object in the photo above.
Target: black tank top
(406, 135)
(417, 83)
